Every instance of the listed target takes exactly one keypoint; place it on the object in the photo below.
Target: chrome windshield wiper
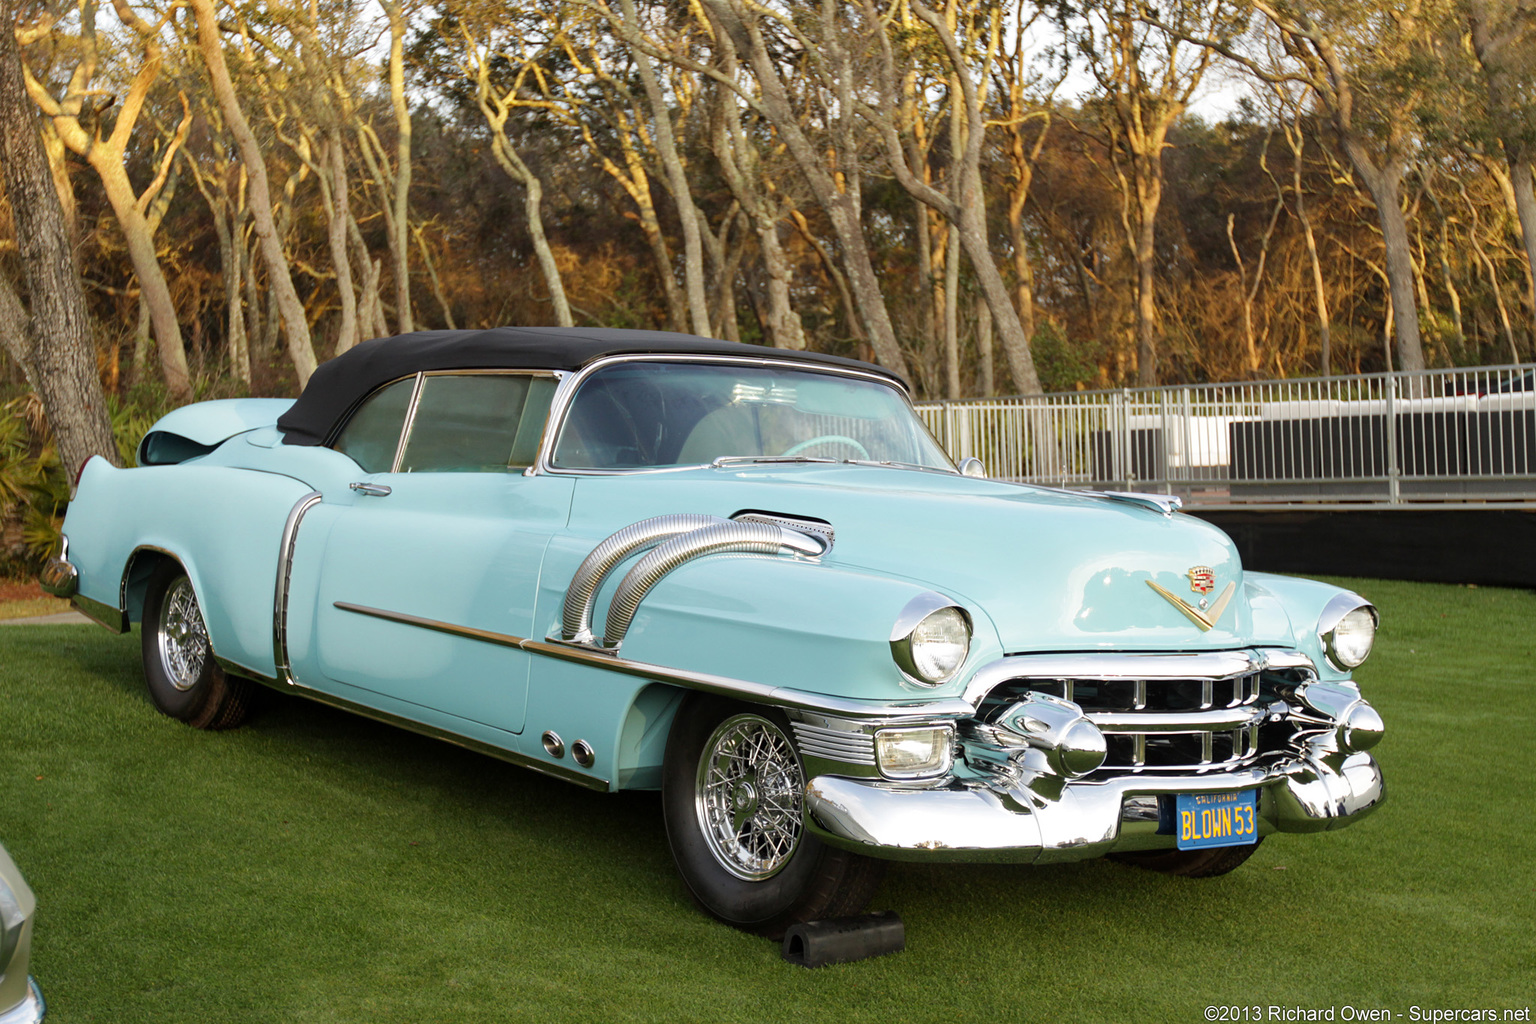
(734, 460)
(891, 463)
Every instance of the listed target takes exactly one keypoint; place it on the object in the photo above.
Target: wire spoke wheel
(749, 791)
(185, 679)
(182, 636)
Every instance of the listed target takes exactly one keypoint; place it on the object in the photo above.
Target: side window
(373, 433)
(477, 423)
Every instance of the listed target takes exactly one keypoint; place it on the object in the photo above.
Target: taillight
(81, 471)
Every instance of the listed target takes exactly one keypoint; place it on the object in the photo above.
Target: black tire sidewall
(183, 705)
(755, 906)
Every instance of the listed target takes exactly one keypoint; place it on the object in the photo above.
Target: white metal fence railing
(1428, 436)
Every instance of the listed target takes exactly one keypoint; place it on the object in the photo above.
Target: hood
(1051, 570)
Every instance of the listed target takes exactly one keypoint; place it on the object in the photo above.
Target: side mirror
(971, 466)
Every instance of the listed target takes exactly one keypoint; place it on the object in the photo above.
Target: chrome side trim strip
(586, 779)
(740, 689)
(485, 635)
(280, 592)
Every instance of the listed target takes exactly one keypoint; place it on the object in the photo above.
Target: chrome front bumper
(977, 821)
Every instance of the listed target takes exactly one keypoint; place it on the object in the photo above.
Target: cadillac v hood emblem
(1201, 580)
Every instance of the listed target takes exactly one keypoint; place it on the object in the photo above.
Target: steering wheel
(796, 449)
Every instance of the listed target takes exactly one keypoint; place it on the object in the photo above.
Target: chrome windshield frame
(565, 394)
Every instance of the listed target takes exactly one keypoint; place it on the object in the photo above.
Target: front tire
(185, 681)
(733, 792)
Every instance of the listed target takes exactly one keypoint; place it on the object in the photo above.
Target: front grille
(1162, 724)
(1149, 695)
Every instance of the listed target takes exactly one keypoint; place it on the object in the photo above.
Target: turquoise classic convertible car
(746, 577)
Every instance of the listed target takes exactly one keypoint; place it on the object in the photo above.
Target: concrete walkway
(57, 619)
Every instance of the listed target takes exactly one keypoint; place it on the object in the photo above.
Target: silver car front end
(21, 1002)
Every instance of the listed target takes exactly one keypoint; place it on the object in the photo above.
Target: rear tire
(1190, 863)
(185, 681)
(733, 792)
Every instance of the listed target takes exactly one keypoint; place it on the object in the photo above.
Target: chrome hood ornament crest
(1202, 580)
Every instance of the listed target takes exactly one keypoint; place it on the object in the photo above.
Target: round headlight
(1349, 642)
(931, 639)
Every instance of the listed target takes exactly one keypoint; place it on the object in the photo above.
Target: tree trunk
(677, 179)
(739, 166)
(279, 278)
(152, 284)
(339, 216)
(399, 235)
(52, 341)
(1145, 252)
(984, 382)
(1383, 183)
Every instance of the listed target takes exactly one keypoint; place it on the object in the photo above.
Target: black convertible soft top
(339, 384)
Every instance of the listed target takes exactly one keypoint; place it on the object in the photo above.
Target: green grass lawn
(314, 866)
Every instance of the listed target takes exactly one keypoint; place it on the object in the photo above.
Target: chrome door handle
(377, 490)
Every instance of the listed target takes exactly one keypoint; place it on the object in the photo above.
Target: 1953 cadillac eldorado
(744, 576)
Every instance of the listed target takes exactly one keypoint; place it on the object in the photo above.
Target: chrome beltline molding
(741, 689)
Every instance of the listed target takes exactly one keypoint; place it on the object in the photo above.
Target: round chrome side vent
(582, 751)
(554, 746)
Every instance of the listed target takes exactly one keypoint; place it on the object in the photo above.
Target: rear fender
(197, 429)
(222, 525)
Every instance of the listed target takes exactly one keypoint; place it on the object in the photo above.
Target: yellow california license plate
(1204, 820)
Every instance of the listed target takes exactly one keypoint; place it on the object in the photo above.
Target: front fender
(1302, 602)
(788, 622)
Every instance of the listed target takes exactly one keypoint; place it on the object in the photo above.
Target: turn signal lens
(1349, 643)
(914, 753)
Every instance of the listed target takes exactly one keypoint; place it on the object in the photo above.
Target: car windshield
(654, 414)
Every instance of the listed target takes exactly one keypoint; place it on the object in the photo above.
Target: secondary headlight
(931, 638)
(914, 753)
(1348, 630)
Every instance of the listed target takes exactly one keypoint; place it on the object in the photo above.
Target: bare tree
(838, 187)
(497, 102)
(1372, 71)
(1503, 36)
(279, 278)
(964, 205)
(1147, 73)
